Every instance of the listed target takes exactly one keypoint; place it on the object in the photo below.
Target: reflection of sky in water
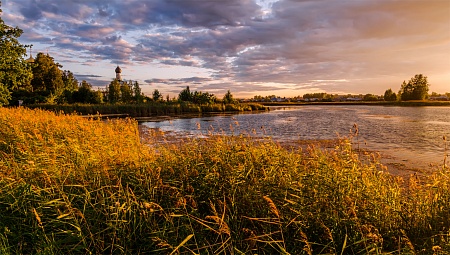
(412, 132)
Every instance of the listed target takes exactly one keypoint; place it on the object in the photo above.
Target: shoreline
(370, 103)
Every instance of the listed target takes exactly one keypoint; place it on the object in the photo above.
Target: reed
(83, 186)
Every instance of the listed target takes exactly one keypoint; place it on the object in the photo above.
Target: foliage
(5, 95)
(416, 88)
(73, 185)
(69, 81)
(197, 97)
(138, 97)
(203, 98)
(390, 96)
(185, 95)
(156, 95)
(114, 91)
(47, 76)
(15, 72)
(228, 98)
(126, 92)
(96, 97)
(85, 94)
(370, 97)
(321, 96)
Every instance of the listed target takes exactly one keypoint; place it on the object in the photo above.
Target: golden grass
(71, 185)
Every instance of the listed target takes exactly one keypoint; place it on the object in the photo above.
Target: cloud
(247, 44)
(95, 80)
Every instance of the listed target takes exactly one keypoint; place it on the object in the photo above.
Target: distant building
(30, 59)
(354, 99)
(439, 98)
(118, 73)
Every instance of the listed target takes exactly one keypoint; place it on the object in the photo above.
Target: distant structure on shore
(30, 59)
(118, 73)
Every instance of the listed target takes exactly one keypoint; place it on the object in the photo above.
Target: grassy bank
(71, 185)
(148, 109)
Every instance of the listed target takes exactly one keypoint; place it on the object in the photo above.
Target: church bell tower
(118, 73)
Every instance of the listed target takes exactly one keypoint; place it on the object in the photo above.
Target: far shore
(377, 103)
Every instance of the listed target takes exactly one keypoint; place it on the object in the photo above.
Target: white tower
(118, 73)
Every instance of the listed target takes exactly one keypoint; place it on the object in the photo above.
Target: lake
(412, 136)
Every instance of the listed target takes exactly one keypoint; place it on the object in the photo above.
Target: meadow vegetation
(71, 185)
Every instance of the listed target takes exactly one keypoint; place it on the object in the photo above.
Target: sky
(250, 47)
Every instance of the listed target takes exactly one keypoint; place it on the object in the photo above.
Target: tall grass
(83, 186)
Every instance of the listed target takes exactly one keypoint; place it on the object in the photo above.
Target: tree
(83, 94)
(96, 97)
(5, 95)
(114, 91)
(203, 98)
(137, 93)
(316, 95)
(157, 96)
(126, 93)
(69, 81)
(185, 95)
(370, 97)
(389, 95)
(47, 77)
(228, 98)
(15, 72)
(416, 88)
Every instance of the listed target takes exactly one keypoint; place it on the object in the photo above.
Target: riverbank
(148, 109)
(71, 185)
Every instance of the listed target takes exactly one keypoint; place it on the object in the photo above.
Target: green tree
(316, 95)
(416, 88)
(137, 93)
(370, 97)
(84, 93)
(185, 95)
(389, 95)
(156, 95)
(15, 72)
(5, 95)
(69, 81)
(126, 92)
(96, 97)
(47, 77)
(228, 98)
(114, 91)
(199, 97)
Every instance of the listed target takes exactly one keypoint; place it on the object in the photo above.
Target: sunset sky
(250, 47)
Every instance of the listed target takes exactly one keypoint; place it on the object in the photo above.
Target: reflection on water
(411, 134)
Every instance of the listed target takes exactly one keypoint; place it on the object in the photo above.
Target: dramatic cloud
(285, 47)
